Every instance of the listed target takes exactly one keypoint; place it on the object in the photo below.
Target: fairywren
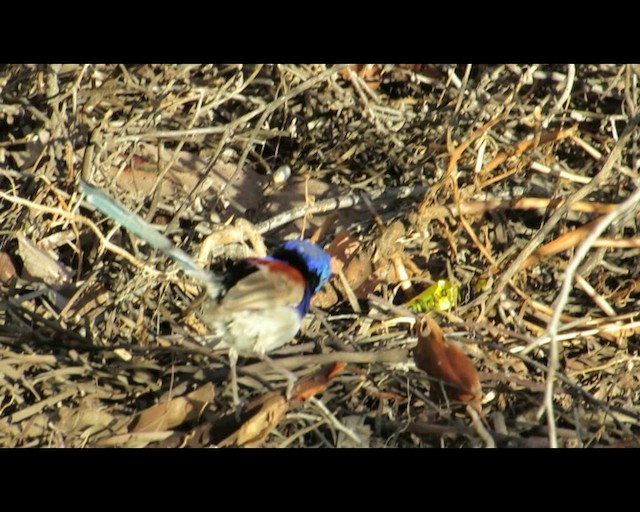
(264, 300)
(255, 308)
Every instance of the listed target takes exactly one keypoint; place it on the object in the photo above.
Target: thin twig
(480, 429)
(321, 77)
(137, 225)
(81, 220)
(561, 301)
(334, 421)
(559, 214)
(338, 203)
(571, 75)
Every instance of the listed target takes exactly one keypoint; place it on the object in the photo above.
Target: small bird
(264, 300)
(258, 305)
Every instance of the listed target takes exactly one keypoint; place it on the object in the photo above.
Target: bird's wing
(274, 283)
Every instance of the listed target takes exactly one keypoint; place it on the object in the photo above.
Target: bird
(263, 302)
(257, 306)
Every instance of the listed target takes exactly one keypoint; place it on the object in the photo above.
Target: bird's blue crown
(313, 261)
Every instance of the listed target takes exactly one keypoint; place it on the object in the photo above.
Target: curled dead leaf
(316, 383)
(167, 415)
(133, 440)
(7, 269)
(325, 298)
(389, 242)
(42, 265)
(343, 247)
(370, 73)
(86, 418)
(446, 362)
(344, 253)
(360, 275)
(263, 416)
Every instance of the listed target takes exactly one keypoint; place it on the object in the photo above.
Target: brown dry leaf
(390, 247)
(40, 265)
(262, 416)
(246, 188)
(343, 247)
(7, 269)
(367, 288)
(361, 276)
(176, 411)
(430, 70)
(342, 250)
(370, 73)
(359, 269)
(140, 182)
(88, 416)
(389, 241)
(228, 241)
(265, 415)
(137, 440)
(446, 362)
(325, 298)
(316, 383)
(386, 272)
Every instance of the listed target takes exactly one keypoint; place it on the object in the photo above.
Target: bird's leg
(233, 362)
(291, 377)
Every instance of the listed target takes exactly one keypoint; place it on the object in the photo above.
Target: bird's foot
(292, 378)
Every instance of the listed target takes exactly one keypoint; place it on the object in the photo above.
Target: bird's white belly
(254, 332)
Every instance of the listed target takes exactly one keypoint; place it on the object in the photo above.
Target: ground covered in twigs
(489, 182)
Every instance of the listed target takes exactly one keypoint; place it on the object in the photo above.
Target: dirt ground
(482, 221)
